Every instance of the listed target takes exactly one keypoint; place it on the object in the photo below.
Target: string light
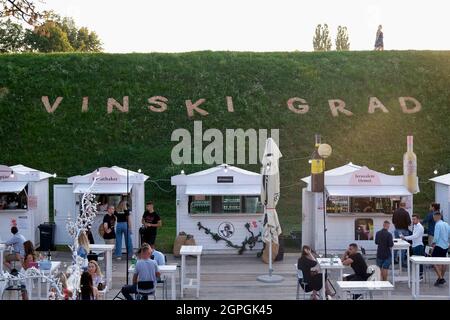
(182, 171)
(98, 172)
(435, 172)
(54, 175)
(139, 170)
(309, 161)
(392, 169)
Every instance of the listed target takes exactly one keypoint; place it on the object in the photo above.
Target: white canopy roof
(444, 179)
(110, 175)
(12, 186)
(339, 171)
(21, 173)
(100, 188)
(223, 175)
(223, 190)
(367, 191)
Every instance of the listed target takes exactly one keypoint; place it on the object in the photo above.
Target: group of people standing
(438, 235)
(117, 225)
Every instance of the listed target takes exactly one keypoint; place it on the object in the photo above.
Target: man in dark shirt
(355, 260)
(109, 221)
(151, 221)
(383, 239)
(429, 221)
(401, 221)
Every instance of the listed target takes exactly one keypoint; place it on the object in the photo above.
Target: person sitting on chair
(308, 264)
(158, 256)
(145, 270)
(18, 250)
(356, 261)
(96, 274)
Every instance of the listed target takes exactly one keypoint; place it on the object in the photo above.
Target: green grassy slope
(70, 142)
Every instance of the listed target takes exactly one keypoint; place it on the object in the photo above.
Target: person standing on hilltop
(379, 45)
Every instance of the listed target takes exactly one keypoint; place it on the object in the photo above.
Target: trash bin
(47, 236)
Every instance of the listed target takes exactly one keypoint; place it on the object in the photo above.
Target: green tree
(322, 39)
(11, 37)
(342, 43)
(48, 37)
(87, 41)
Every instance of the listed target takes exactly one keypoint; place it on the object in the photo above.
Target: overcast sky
(257, 25)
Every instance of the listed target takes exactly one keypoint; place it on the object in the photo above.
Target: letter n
(113, 103)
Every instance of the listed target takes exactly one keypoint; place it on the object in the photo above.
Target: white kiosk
(358, 200)
(23, 201)
(442, 194)
(111, 186)
(222, 199)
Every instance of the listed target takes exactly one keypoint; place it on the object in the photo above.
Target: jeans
(404, 232)
(121, 229)
(127, 290)
(419, 251)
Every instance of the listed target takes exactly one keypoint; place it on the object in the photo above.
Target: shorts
(439, 252)
(384, 263)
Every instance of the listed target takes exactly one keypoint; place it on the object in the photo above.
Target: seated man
(158, 256)
(18, 250)
(355, 260)
(145, 270)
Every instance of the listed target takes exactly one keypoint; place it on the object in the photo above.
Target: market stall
(358, 200)
(113, 184)
(221, 202)
(23, 201)
(442, 194)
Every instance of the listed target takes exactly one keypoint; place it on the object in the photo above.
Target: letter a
(374, 103)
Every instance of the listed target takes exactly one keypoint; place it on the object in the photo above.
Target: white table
(107, 248)
(416, 261)
(169, 270)
(325, 264)
(2, 249)
(366, 286)
(53, 270)
(400, 245)
(192, 283)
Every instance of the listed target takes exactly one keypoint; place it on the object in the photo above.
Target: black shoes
(439, 282)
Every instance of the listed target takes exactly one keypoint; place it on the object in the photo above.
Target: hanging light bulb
(392, 169)
(435, 172)
(139, 170)
(309, 161)
(11, 175)
(98, 172)
(54, 175)
(182, 171)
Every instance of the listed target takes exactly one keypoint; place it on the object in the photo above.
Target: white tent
(115, 182)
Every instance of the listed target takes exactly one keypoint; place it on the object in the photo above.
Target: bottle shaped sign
(317, 168)
(410, 167)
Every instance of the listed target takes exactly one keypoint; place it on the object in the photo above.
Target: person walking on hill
(379, 44)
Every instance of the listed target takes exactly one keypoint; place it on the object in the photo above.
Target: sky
(257, 25)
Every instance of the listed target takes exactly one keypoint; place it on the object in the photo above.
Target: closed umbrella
(270, 194)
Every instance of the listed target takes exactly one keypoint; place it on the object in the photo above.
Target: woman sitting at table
(96, 274)
(309, 266)
(87, 289)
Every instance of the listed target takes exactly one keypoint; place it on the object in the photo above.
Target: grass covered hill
(69, 141)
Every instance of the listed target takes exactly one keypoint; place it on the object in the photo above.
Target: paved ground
(233, 277)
